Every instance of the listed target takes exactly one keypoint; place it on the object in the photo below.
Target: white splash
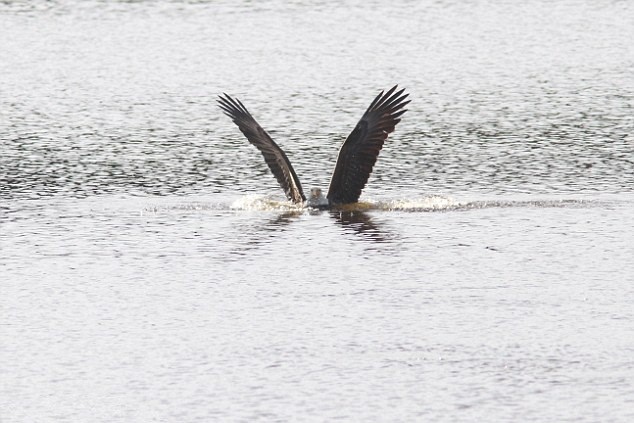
(262, 203)
(429, 203)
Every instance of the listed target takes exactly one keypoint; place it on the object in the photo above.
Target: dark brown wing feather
(361, 149)
(273, 154)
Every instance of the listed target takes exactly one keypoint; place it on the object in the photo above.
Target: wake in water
(430, 203)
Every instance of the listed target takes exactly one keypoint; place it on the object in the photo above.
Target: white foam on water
(262, 203)
(428, 203)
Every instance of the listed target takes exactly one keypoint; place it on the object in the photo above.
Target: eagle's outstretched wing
(361, 149)
(273, 154)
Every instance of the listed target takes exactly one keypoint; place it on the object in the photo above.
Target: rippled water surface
(150, 269)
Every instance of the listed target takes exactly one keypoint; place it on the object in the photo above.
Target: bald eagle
(356, 158)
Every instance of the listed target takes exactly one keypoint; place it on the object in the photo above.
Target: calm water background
(151, 271)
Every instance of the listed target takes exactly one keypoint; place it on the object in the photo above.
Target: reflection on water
(363, 225)
(256, 232)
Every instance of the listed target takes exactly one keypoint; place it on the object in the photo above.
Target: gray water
(151, 269)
